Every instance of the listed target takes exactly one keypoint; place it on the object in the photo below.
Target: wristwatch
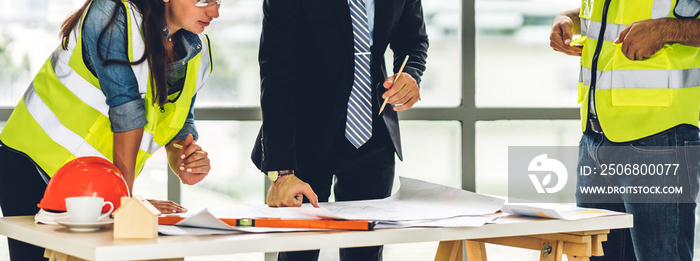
(273, 175)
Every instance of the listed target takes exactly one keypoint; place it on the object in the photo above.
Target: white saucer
(84, 227)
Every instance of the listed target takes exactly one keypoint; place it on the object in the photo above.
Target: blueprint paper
(461, 221)
(549, 210)
(418, 199)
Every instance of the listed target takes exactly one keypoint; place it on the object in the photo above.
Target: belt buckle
(595, 126)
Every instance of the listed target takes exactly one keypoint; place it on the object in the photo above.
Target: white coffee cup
(86, 210)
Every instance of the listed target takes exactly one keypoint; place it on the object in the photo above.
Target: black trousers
(359, 174)
(21, 189)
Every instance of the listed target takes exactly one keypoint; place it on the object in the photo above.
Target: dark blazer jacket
(306, 70)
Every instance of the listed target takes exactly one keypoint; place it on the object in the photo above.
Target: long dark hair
(153, 13)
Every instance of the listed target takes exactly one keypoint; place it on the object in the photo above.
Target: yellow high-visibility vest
(63, 113)
(635, 99)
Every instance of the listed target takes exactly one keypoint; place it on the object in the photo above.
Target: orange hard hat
(85, 176)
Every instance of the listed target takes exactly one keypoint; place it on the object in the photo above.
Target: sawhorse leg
(578, 246)
(452, 251)
(449, 251)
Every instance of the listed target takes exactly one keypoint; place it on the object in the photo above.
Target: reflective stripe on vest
(63, 114)
(592, 29)
(59, 133)
(651, 79)
(660, 9)
(636, 99)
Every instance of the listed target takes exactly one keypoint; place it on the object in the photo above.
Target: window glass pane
(234, 38)
(28, 34)
(515, 67)
(233, 178)
(442, 83)
(152, 182)
(431, 152)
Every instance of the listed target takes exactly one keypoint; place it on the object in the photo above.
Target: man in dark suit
(309, 68)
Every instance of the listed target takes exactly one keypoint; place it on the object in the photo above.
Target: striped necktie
(358, 124)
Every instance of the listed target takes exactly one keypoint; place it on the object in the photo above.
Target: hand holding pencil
(188, 161)
(402, 89)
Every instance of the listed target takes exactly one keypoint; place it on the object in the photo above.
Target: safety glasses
(205, 3)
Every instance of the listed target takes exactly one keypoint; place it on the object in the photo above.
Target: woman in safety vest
(121, 85)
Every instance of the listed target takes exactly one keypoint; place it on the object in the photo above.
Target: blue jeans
(664, 224)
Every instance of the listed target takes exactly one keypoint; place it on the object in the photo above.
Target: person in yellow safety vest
(639, 91)
(121, 85)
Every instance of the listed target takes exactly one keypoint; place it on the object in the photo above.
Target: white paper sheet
(205, 222)
(549, 210)
(418, 199)
(461, 221)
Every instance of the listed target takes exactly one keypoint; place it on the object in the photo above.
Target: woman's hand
(167, 206)
(190, 162)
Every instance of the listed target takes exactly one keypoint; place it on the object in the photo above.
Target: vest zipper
(594, 63)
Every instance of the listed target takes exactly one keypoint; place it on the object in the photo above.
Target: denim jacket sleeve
(117, 81)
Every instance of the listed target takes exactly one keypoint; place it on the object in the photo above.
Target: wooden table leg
(476, 251)
(449, 251)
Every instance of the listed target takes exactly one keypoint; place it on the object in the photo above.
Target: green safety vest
(63, 114)
(635, 99)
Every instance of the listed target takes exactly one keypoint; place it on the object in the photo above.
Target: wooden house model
(135, 218)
